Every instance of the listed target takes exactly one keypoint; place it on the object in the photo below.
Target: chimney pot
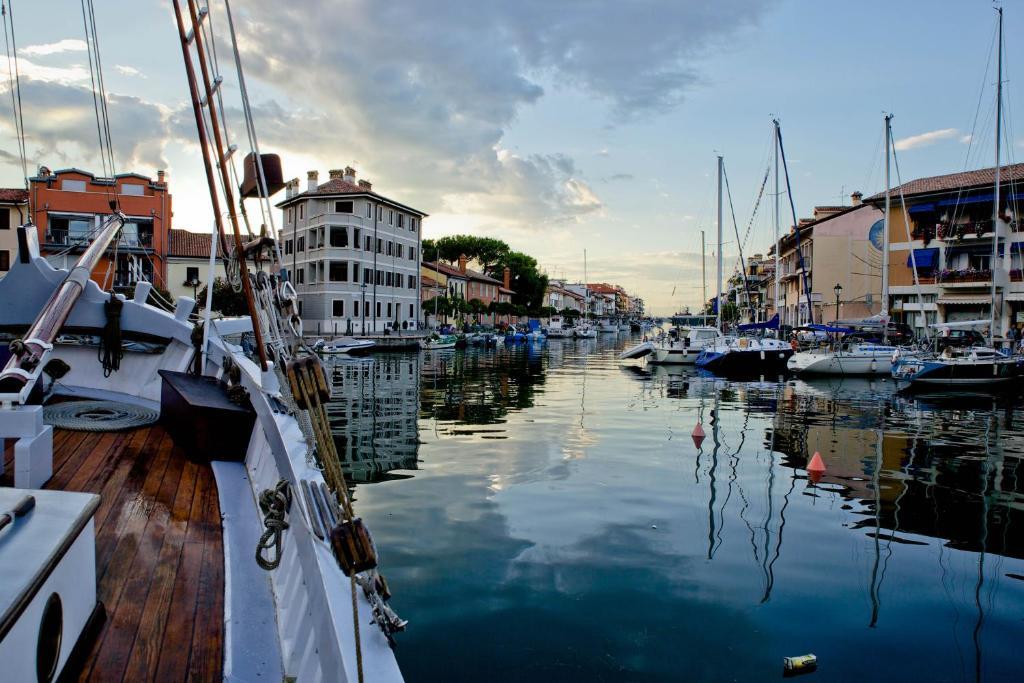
(350, 174)
(855, 198)
(336, 174)
(366, 184)
(312, 180)
(161, 175)
(508, 277)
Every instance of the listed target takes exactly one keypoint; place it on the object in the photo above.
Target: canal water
(543, 514)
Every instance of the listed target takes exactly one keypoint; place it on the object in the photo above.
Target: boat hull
(753, 363)
(831, 363)
(939, 373)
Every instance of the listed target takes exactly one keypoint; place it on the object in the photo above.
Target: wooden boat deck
(159, 553)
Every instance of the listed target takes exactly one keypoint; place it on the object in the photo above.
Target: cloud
(66, 45)
(427, 115)
(73, 73)
(60, 128)
(926, 139)
(619, 176)
(129, 71)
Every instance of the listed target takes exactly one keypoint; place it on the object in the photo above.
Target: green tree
(226, 300)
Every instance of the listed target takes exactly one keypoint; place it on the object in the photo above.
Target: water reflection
(564, 522)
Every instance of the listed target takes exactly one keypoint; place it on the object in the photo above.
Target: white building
(354, 254)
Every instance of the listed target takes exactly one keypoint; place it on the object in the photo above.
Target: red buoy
(816, 467)
(698, 435)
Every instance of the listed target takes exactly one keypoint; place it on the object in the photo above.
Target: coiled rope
(275, 503)
(98, 416)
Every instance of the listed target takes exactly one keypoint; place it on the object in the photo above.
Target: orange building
(69, 205)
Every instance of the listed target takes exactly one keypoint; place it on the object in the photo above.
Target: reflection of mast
(733, 461)
(714, 466)
(976, 634)
(876, 602)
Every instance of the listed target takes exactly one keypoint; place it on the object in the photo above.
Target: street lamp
(838, 289)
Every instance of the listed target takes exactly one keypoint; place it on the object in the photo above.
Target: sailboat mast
(995, 203)
(885, 235)
(586, 289)
(778, 272)
(703, 271)
(718, 296)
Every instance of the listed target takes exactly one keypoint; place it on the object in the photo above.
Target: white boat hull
(837, 363)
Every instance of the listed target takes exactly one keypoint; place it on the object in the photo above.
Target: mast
(995, 203)
(718, 295)
(778, 270)
(703, 271)
(586, 289)
(885, 238)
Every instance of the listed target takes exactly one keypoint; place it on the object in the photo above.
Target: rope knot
(275, 504)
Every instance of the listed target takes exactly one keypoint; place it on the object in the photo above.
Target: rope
(275, 503)
(15, 84)
(110, 352)
(98, 416)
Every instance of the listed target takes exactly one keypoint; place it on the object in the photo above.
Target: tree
(570, 313)
(161, 298)
(226, 300)
(526, 282)
(476, 307)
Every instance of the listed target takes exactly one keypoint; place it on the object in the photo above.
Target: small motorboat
(438, 342)
(348, 345)
(639, 351)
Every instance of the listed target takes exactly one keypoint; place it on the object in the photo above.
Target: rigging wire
(14, 78)
(99, 99)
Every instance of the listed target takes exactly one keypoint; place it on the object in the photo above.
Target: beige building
(188, 262)
(13, 212)
(841, 245)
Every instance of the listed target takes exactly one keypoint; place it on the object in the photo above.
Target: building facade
(840, 245)
(354, 255)
(13, 212)
(946, 230)
(188, 262)
(69, 205)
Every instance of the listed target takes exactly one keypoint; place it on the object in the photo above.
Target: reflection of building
(68, 206)
(373, 412)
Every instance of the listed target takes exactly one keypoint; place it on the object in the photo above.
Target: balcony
(965, 277)
(62, 237)
(960, 231)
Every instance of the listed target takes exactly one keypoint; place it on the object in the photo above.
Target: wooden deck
(159, 553)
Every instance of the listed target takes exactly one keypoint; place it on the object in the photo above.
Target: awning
(964, 300)
(922, 208)
(1014, 296)
(924, 258)
(974, 199)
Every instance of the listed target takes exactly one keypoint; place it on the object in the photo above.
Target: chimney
(311, 181)
(336, 174)
(462, 263)
(366, 185)
(350, 174)
(290, 187)
(508, 277)
(855, 198)
(161, 176)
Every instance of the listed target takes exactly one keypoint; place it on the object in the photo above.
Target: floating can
(798, 665)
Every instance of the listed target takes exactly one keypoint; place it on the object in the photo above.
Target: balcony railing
(965, 275)
(60, 236)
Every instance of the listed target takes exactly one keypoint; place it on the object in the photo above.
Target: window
(389, 279)
(391, 246)
(300, 276)
(300, 305)
(366, 309)
(389, 309)
(312, 273)
(412, 281)
(380, 212)
(72, 185)
(5, 260)
(380, 277)
(137, 233)
(412, 224)
(289, 216)
(398, 249)
(411, 314)
(369, 244)
(367, 276)
(133, 189)
(300, 245)
(391, 217)
(369, 210)
(301, 207)
(401, 220)
(288, 246)
(412, 253)
(378, 309)
(338, 308)
(339, 271)
(342, 207)
(69, 229)
(380, 246)
(191, 275)
(355, 238)
(5, 219)
(339, 236)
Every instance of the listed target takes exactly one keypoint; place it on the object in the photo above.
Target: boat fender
(762, 355)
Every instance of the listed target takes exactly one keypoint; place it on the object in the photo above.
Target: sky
(563, 128)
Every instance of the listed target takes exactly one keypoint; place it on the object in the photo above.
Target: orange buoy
(698, 435)
(816, 467)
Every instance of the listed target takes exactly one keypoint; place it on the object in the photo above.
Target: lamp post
(362, 308)
(838, 289)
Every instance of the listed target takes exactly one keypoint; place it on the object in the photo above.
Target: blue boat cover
(925, 258)
(772, 324)
(829, 329)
